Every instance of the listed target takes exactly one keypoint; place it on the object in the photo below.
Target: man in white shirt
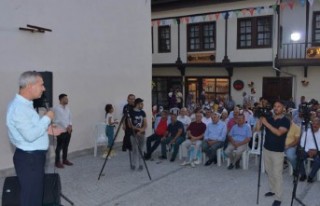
(311, 149)
(184, 118)
(63, 121)
(207, 117)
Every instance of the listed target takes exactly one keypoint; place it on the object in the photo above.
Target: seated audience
(292, 140)
(239, 136)
(175, 136)
(184, 118)
(161, 127)
(311, 150)
(207, 117)
(214, 138)
(195, 134)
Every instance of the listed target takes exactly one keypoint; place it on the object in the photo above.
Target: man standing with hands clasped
(276, 128)
(28, 132)
(63, 121)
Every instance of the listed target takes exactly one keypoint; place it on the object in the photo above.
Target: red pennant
(251, 10)
(283, 5)
(158, 22)
(244, 12)
(217, 15)
(291, 4)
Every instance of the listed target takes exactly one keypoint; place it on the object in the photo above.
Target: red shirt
(162, 127)
(197, 129)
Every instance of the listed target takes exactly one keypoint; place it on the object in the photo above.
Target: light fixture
(295, 36)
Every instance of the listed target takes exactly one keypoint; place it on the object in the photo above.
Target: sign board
(313, 53)
(201, 57)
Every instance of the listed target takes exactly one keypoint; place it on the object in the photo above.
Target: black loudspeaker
(46, 97)
(51, 196)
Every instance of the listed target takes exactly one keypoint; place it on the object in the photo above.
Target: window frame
(254, 32)
(201, 36)
(160, 48)
(314, 15)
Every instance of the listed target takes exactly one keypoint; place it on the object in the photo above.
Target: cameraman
(276, 128)
(311, 150)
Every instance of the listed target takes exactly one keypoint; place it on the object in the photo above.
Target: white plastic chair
(220, 157)
(255, 150)
(100, 137)
(244, 160)
(309, 168)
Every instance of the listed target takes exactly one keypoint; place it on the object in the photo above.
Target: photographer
(311, 150)
(276, 128)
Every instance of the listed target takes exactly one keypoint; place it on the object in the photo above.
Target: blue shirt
(216, 131)
(239, 134)
(26, 129)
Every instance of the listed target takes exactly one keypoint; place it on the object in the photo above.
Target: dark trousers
(315, 165)
(153, 138)
(175, 146)
(63, 141)
(29, 168)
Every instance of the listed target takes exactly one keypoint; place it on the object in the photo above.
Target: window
(201, 37)
(255, 32)
(164, 39)
(152, 39)
(316, 28)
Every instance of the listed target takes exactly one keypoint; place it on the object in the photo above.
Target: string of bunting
(290, 4)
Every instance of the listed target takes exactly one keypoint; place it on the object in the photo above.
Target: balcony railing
(294, 51)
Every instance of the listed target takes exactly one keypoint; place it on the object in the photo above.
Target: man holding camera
(276, 128)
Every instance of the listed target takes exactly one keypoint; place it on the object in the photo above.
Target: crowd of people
(289, 131)
(208, 128)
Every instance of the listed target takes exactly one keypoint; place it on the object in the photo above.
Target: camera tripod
(126, 116)
(262, 135)
(300, 159)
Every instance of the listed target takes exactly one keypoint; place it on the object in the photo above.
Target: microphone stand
(46, 105)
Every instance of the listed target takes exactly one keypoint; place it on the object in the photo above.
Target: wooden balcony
(299, 54)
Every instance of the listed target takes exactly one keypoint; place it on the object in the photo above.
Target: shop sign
(313, 53)
(201, 58)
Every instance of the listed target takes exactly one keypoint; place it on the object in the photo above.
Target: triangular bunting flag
(237, 12)
(291, 4)
(274, 7)
(193, 18)
(204, 17)
(259, 10)
(283, 6)
(224, 14)
(217, 15)
(311, 2)
(251, 11)
(211, 17)
(244, 12)
(158, 22)
(231, 14)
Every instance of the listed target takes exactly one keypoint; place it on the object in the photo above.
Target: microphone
(45, 102)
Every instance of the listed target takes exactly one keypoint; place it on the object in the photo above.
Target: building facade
(264, 48)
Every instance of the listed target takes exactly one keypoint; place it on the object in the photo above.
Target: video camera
(305, 110)
(263, 112)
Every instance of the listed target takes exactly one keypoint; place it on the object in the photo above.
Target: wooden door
(277, 87)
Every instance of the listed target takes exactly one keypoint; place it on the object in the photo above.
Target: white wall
(99, 52)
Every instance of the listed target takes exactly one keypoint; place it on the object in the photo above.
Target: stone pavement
(171, 184)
